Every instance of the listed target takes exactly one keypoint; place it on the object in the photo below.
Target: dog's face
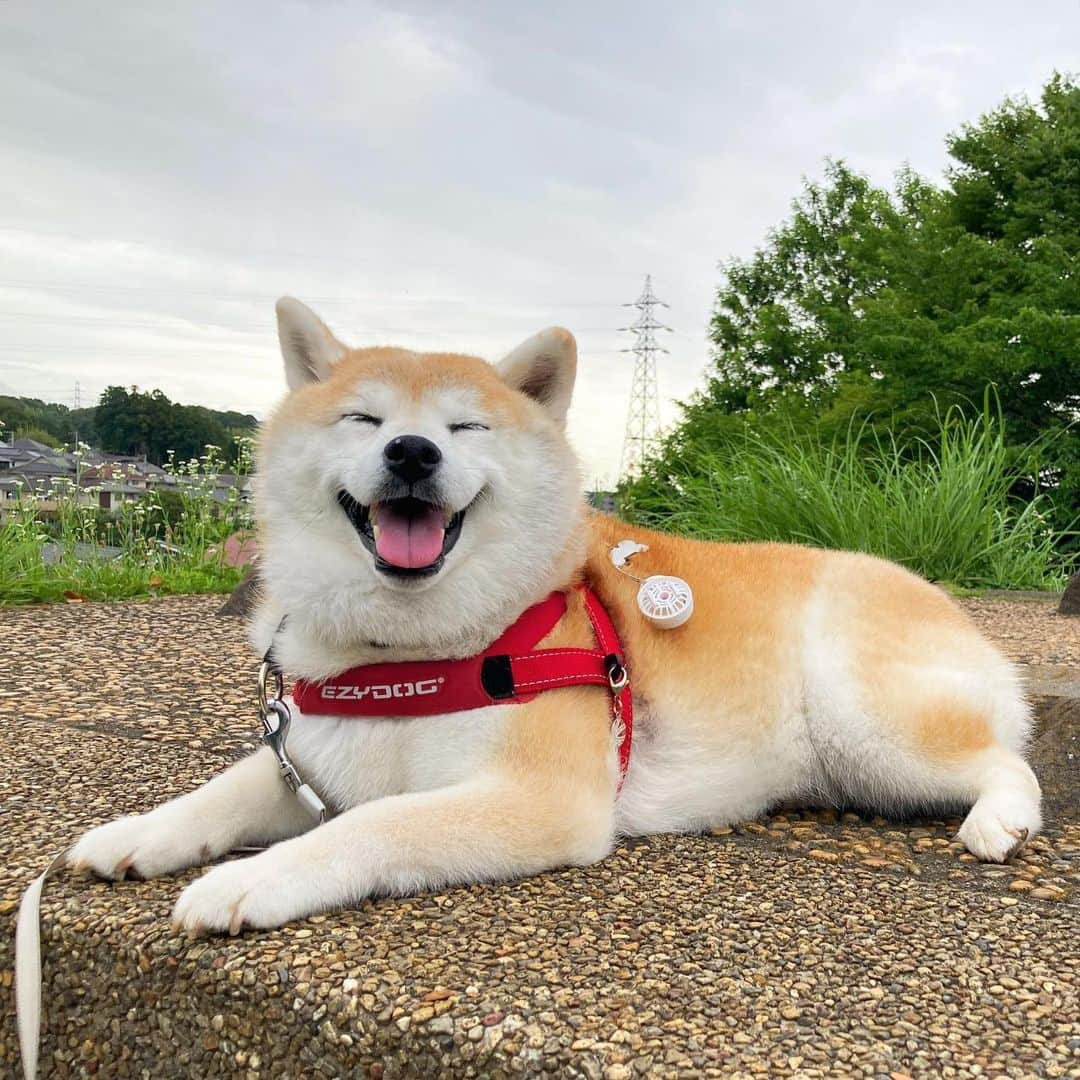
(406, 498)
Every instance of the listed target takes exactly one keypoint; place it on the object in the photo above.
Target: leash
(28, 968)
(275, 717)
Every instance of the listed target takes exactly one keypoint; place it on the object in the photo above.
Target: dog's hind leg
(941, 755)
(1006, 812)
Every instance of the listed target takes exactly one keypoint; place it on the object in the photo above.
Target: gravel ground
(1029, 630)
(812, 943)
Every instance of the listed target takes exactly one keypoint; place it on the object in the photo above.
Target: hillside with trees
(890, 306)
(128, 421)
(133, 422)
(45, 421)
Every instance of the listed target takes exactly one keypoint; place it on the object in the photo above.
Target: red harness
(510, 671)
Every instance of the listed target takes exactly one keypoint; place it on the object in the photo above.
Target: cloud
(443, 176)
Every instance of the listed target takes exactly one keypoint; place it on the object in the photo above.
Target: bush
(941, 506)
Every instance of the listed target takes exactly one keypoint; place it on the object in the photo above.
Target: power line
(294, 257)
(264, 297)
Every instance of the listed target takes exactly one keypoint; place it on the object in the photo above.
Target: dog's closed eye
(469, 425)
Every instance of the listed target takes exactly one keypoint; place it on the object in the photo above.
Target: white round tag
(667, 602)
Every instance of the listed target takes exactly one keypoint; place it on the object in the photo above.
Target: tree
(899, 303)
(46, 438)
(19, 415)
(786, 320)
(134, 422)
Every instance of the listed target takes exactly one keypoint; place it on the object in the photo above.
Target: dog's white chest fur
(355, 760)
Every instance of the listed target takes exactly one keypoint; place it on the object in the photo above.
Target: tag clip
(666, 601)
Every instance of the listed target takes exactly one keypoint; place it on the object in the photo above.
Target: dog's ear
(307, 345)
(543, 368)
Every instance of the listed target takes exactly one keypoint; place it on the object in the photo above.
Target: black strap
(268, 656)
(497, 677)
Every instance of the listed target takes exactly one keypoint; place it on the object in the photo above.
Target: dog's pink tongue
(410, 543)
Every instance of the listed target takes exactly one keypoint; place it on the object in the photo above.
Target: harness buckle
(618, 676)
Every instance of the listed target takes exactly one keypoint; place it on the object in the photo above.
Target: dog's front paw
(262, 891)
(144, 846)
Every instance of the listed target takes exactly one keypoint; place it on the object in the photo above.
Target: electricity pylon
(643, 415)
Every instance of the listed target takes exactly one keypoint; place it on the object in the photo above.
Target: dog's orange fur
(418, 374)
(742, 637)
(738, 645)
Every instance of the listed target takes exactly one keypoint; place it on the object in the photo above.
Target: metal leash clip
(618, 680)
(275, 717)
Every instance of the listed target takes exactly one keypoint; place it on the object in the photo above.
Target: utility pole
(643, 415)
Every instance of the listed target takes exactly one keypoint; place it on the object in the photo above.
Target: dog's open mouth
(409, 537)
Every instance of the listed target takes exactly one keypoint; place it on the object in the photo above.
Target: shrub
(941, 506)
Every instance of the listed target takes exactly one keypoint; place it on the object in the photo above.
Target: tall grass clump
(942, 505)
(171, 541)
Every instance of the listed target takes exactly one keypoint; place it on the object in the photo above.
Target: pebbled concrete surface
(811, 943)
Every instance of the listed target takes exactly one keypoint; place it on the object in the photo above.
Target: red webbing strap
(547, 669)
(622, 697)
(510, 671)
(532, 626)
(424, 687)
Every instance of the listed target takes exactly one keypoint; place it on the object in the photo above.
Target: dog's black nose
(412, 457)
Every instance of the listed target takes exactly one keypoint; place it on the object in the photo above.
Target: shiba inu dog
(412, 506)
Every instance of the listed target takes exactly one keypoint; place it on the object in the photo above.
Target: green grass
(941, 506)
(170, 545)
(25, 579)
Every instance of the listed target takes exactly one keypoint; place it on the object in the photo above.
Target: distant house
(11, 488)
(228, 482)
(604, 501)
(32, 446)
(10, 457)
(135, 470)
(155, 475)
(32, 471)
(111, 486)
(111, 472)
(118, 479)
(38, 460)
(39, 469)
(11, 482)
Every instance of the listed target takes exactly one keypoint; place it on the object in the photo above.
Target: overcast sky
(442, 175)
